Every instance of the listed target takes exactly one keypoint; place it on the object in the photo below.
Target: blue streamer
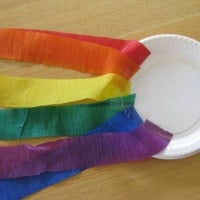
(14, 189)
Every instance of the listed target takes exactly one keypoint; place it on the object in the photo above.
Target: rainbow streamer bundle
(96, 116)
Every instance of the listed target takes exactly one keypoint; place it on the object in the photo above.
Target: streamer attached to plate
(70, 120)
(55, 50)
(83, 151)
(32, 92)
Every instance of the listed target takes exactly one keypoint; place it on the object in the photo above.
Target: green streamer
(69, 120)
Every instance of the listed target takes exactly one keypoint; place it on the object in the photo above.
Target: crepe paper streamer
(71, 120)
(32, 92)
(83, 151)
(133, 49)
(54, 50)
(18, 188)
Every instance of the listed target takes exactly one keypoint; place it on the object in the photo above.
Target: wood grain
(150, 179)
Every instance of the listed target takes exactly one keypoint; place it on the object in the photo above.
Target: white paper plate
(167, 91)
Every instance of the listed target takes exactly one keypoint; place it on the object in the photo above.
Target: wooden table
(150, 179)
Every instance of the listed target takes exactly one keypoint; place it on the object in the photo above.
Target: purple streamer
(83, 151)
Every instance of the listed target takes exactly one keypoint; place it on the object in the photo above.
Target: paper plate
(167, 91)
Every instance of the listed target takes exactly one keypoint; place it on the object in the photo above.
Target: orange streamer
(64, 52)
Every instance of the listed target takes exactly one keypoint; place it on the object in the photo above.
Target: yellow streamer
(32, 92)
